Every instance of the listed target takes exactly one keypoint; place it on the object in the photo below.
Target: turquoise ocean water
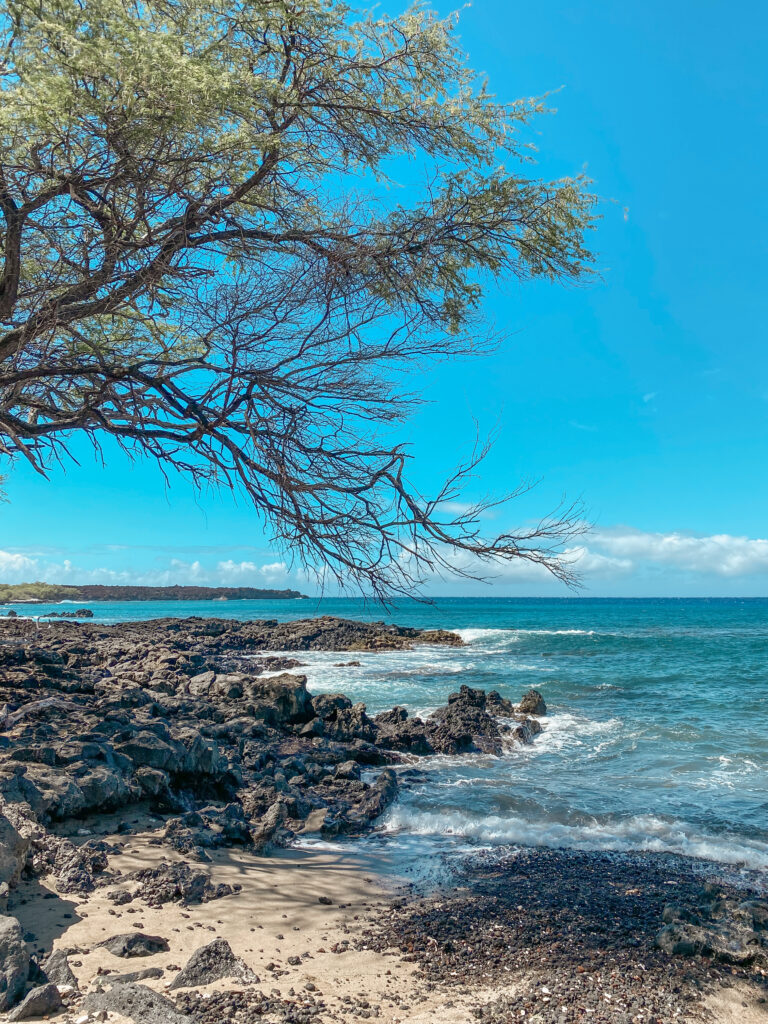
(657, 736)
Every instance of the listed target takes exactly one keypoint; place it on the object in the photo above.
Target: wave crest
(638, 833)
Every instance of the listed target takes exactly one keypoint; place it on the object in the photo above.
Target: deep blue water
(656, 737)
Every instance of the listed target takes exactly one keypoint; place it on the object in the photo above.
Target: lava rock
(177, 883)
(349, 724)
(138, 1003)
(149, 750)
(211, 963)
(40, 1002)
(348, 770)
(264, 831)
(55, 968)
(281, 699)
(13, 852)
(464, 726)
(532, 703)
(133, 944)
(326, 705)
(14, 962)
(396, 731)
(499, 706)
(149, 973)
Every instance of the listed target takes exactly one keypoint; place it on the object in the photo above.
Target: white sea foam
(563, 730)
(432, 668)
(636, 833)
(470, 636)
(556, 632)
(317, 843)
(729, 773)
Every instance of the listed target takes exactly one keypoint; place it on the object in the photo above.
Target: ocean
(656, 737)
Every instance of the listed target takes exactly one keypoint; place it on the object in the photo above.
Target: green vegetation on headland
(13, 593)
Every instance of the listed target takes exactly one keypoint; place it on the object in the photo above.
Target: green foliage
(203, 256)
(45, 592)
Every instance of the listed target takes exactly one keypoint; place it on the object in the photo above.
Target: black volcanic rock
(467, 724)
(178, 883)
(464, 726)
(133, 944)
(40, 1002)
(187, 718)
(212, 963)
(532, 703)
(137, 1002)
(396, 731)
(55, 968)
(14, 962)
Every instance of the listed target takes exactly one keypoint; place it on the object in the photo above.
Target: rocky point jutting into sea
(153, 771)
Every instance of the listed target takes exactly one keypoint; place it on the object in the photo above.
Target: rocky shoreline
(192, 719)
(200, 736)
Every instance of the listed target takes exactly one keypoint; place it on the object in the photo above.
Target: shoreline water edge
(172, 790)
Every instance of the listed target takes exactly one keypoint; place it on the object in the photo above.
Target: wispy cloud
(649, 396)
(619, 554)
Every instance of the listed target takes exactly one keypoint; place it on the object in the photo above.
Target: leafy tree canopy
(200, 255)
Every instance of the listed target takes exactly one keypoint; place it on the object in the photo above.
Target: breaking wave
(645, 833)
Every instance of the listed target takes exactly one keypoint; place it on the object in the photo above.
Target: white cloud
(626, 556)
(239, 572)
(594, 563)
(722, 554)
(458, 509)
(15, 568)
(620, 557)
(649, 397)
(586, 562)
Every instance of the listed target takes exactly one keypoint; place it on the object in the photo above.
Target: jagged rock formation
(185, 718)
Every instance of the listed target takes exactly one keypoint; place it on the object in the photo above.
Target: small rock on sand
(211, 963)
(138, 1003)
(41, 1001)
(132, 944)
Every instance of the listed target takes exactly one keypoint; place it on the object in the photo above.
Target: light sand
(275, 916)
(737, 1005)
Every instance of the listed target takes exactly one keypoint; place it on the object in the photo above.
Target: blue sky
(644, 393)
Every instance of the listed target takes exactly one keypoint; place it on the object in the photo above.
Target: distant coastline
(55, 593)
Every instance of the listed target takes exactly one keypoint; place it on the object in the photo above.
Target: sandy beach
(332, 935)
(274, 920)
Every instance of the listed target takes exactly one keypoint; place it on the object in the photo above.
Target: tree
(203, 258)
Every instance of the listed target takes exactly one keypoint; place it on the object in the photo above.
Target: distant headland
(52, 593)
